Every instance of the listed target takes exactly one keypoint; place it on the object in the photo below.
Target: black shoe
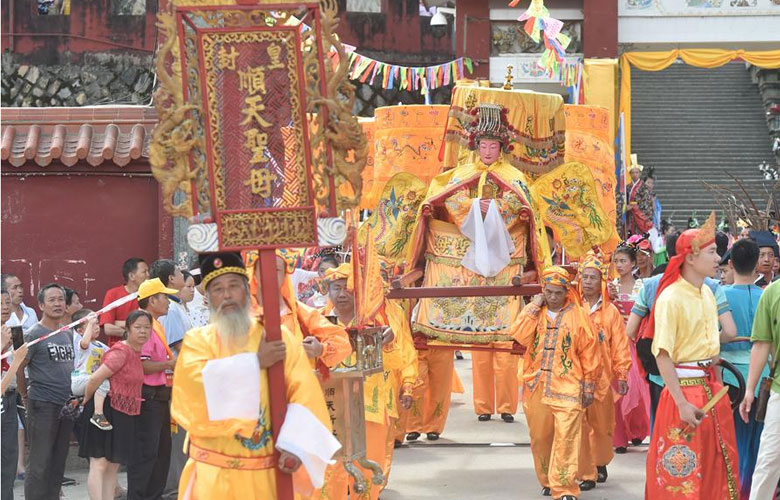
(397, 443)
(458, 355)
(413, 436)
(507, 417)
(433, 436)
(636, 442)
(587, 485)
(484, 417)
(602, 474)
(66, 481)
(620, 450)
(546, 492)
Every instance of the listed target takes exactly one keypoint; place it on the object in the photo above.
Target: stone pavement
(491, 460)
(472, 461)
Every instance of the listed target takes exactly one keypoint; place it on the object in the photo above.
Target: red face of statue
(489, 151)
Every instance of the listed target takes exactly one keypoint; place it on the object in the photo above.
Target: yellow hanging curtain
(701, 58)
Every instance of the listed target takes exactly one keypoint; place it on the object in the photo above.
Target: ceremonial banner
(567, 200)
(368, 171)
(588, 141)
(252, 90)
(406, 139)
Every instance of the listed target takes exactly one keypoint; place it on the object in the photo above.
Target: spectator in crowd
(327, 262)
(644, 304)
(8, 439)
(178, 458)
(122, 368)
(319, 292)
(726, 270)
(768, 250)
(187, 294)
(671, 240)
(148, 470)
(743, 297)
(198, 308)
(10, 365)
(776, 268)
(89, 351)
(49, 363)
(644, 256)
(21, 315)
(174, 324)
(766, 340)
(134, 271)
(72, 304)
(175, 321)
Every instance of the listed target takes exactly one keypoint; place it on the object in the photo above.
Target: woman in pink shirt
(106, 450)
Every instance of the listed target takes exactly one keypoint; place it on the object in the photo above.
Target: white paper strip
(225, 397)
(304, 436)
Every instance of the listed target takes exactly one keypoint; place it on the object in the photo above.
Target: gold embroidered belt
(230, 462)
(691, 381)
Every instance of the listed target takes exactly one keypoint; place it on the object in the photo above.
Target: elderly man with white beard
(221, 397)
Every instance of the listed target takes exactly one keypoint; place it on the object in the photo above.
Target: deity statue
(477, 227)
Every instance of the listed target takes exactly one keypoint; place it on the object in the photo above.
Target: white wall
(700, 22)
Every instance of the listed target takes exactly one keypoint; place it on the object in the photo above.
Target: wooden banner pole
(276, 385)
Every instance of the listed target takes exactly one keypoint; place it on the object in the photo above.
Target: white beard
(233, 326)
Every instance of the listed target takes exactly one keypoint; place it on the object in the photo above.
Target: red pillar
(473, 34)
(600, 28)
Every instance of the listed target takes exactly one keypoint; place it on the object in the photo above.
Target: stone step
(692, 125)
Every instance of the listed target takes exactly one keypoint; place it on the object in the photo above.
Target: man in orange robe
(599, 422)
(383, 391)
(231, 454)
(325, 344)
(560, 370)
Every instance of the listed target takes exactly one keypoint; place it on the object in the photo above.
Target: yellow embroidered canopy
(537, 121)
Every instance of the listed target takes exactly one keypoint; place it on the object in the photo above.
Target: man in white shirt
(21, 315)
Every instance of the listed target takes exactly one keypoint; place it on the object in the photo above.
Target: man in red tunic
(135, 271)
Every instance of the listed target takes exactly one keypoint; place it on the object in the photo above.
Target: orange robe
(561, 362)
(403, 370)
(495, 380)
(431, 399)
(380, 403)
(599, 423)
(302, 320)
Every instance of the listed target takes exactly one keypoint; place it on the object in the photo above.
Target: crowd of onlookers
(105, 382)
